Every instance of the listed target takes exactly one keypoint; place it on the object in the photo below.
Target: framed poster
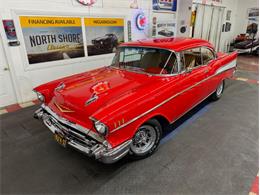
(165, 5)
(165, 28)
(52, 38)
(9, 29)
(253, 20)
(103, 35)
(253, 12)
(228, 15)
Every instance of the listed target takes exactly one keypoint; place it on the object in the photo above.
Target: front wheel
(219, 91)
(146, 139)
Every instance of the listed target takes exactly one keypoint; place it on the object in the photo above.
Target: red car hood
(114, 84)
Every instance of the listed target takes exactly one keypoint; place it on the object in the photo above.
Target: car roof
(176, 44)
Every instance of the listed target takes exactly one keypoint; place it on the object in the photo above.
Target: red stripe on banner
(13, 108)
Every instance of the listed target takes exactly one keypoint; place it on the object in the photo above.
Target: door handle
(6, 69)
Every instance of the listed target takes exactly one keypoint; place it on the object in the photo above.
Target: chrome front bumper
(81, 138)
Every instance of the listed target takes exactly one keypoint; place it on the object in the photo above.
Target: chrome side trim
(167, 100)
(228, 66)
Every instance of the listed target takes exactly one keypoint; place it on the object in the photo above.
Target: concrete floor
(211, 150)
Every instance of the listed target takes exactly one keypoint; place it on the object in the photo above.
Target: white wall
(227, 37)
(242, 14)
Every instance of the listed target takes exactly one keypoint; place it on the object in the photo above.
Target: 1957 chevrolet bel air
(123, 108)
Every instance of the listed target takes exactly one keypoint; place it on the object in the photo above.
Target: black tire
(151, 124)
(219, 91)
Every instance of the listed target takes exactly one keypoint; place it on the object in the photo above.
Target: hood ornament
(60, 86)
(93, 98)
(97, 89)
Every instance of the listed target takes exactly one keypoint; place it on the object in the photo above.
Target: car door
(195, 73)
(190, 88)
(209, 60)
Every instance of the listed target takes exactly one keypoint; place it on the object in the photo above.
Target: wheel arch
(162, 119)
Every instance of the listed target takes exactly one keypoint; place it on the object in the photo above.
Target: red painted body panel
(132, 98)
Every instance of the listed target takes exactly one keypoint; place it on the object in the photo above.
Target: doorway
(7, 94)
(208, 23)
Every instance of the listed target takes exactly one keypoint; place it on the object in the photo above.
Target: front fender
(118, 136)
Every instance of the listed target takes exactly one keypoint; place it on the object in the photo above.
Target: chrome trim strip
(168, 59)
(167, 100)
(228, 66)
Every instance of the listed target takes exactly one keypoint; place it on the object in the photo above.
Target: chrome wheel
(220, 89)
(144, 140)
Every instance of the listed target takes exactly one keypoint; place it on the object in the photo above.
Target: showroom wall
(25, 75)
(242, 14)
(27, 71)
(27, 67)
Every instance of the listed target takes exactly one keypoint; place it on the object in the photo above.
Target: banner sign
(52, 38)
(103, 35)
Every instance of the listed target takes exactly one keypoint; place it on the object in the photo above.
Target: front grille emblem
(63, 108)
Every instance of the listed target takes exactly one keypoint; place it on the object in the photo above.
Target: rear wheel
(219, 91)
(146, 139)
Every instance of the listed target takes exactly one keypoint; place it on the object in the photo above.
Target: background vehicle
(166, 33)
(107, 42)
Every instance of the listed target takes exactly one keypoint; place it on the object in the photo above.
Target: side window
(192, 58)
(172, 65)
(207, 55)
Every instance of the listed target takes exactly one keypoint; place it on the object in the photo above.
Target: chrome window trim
(151, 74)
(200, 47)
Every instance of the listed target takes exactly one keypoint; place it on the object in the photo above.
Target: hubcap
(220, 89)
(144, 140)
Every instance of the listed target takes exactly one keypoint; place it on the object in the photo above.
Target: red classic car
(123, 108)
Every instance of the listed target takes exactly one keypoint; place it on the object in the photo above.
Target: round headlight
(101, 128)
(40, 96)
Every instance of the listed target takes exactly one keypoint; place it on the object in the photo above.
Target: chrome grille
(69, 132)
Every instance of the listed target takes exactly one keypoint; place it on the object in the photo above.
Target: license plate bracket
(60, 139)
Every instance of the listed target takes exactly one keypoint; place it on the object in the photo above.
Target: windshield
(146, 60)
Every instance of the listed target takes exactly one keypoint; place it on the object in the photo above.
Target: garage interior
(212, 149)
